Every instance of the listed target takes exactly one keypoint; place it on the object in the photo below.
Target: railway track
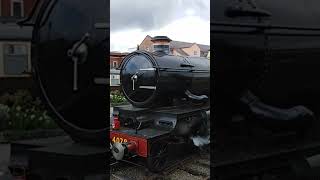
(194, 166)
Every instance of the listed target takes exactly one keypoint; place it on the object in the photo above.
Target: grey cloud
(153, 14)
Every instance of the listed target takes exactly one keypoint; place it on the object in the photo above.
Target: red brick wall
(28, 5)
(6, 7)
(116, 57)
(146, 43)
(5, 11)
(115, 88)
(15, 83)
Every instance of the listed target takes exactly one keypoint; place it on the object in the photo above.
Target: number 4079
(119, 140)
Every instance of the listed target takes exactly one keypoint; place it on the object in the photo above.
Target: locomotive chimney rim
(161, 38)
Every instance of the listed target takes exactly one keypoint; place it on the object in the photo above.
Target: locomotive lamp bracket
(78, 54)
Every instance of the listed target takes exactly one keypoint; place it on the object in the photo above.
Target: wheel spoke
(158, 156)
(156, 163)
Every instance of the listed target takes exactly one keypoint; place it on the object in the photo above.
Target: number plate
(119, 140)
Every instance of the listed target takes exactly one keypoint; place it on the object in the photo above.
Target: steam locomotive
(169, 98)
(169, 94)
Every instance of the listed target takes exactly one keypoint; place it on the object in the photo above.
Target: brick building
(176, 47)
(15, 45)
(12, 10)
(115, 61)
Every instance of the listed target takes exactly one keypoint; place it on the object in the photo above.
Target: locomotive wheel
(158, 156)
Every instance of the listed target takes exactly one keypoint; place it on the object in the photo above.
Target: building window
(115, 80)
(17, 8)
(147, 49)
(15, 59)
(164, 48)
(195, 53)
(114, 64)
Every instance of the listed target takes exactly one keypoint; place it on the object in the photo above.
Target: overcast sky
(181, 20)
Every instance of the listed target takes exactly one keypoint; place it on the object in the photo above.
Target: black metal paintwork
(276, 57)
(179, 121)
(58, 26)
(173, 75)
(56, 157)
